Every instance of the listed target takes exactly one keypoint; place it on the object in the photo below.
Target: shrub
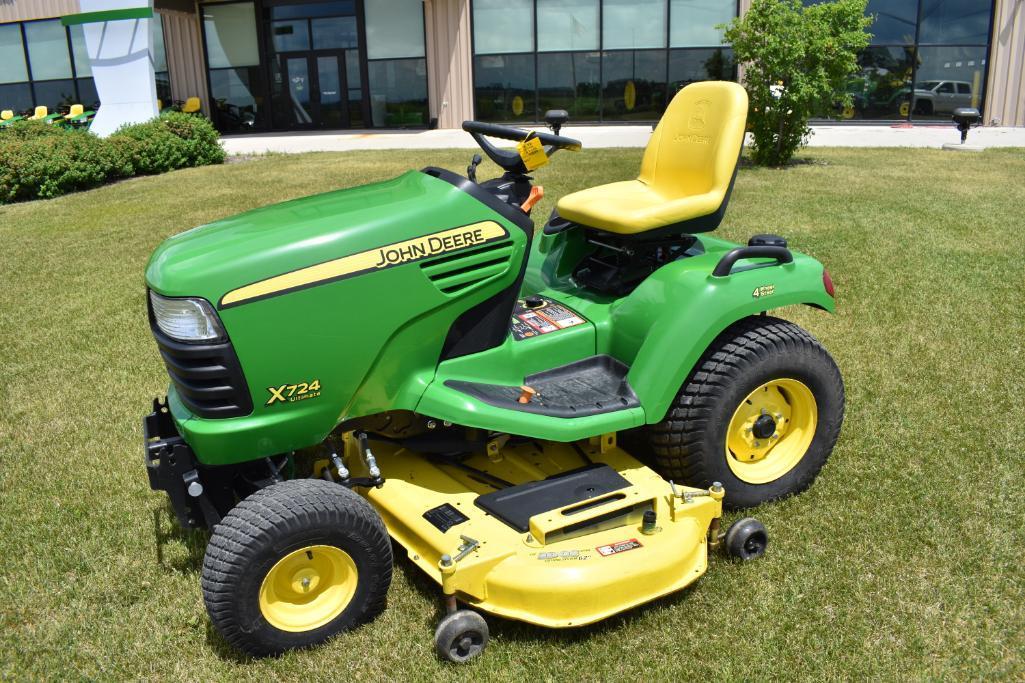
(796, 61)
(43, 166)
(174, 140)
(26, 130)
(39, 161)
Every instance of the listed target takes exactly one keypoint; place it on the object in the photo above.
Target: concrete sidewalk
(926, 135)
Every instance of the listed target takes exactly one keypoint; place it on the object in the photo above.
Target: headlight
(186, 319)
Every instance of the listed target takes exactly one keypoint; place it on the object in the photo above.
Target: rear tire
(294, 564)
(702, 438)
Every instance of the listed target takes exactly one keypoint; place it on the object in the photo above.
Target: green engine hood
(216, 258)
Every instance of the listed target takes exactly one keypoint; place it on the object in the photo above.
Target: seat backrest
(6, 115)
(191, 105)
(76, 110)
(696, 145)
(41, 112)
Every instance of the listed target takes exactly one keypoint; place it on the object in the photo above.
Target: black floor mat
(591, 386)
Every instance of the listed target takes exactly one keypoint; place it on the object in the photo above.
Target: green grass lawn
(903, 560)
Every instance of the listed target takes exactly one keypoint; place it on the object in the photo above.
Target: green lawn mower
(409, 362)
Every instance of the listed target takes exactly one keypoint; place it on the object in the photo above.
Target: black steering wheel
(510, 159)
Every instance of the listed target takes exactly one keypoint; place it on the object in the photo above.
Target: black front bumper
(172, 468)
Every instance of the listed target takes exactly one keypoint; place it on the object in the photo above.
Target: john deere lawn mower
(408, 361)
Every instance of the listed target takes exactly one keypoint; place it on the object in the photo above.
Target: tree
(797, 61)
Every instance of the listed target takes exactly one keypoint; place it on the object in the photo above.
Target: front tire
(760, 413)
(294, 564)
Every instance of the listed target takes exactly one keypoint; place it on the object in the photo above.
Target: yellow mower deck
(577, 564)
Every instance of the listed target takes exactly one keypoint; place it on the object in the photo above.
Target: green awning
(107, 15)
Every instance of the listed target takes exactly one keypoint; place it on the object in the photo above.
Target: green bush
(173, 141)
(27, 130)
(796, 62)
(39, 161)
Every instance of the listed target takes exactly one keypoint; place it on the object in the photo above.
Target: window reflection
(634, 86)
(398, 92)
(237, 98)
(894, 21)
(504, 87)
(570, 81)
(691, 66)
(881, 89)
(948, 78)
(949, 22)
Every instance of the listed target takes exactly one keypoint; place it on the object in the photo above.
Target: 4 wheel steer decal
(290, 393)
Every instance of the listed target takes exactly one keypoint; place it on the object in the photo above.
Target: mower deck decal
(618, 547)
(379, 258)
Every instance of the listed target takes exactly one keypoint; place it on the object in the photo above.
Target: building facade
(267, 65)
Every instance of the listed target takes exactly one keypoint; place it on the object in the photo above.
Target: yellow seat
(686, 173)
(75, 110)
(191, 105)
(41, 113)
(6, 115)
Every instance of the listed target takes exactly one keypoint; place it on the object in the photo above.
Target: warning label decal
(537, 315)
(618, 547)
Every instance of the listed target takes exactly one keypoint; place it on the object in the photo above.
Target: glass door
(317, 66)
(331, 91)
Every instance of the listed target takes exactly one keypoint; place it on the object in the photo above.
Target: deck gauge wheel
(461, 636)
(747, 539)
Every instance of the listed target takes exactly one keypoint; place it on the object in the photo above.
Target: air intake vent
(457, 272)
(208, 377)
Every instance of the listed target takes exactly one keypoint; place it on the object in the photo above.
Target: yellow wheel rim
(848, 112)
(308, 588)
(905, 108)
(771, 430)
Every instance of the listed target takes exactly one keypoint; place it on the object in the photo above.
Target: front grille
(208, 377)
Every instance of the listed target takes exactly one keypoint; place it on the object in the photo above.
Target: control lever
(471, 170)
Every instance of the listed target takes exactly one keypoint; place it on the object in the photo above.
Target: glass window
(504, 87)
(238, 98)
(156, 45)
(570, 81)
(12, 55)
(395, 28)
(334, 32)
(503, 26)
(881, 90)
(948, 78)
(231, 35)
(163, 83)
(55, 94)
(634, 85)
(690, 66)
(314, 9)
(48, 50)
(567, 25)
(692, 23)
(631, 24)
(88, 96)
(79, 52)
(15, 96)
(894, 21)
(955, 21)
(398, 92)
(290, 36)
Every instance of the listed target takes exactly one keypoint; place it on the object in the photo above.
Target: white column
(119, 54)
